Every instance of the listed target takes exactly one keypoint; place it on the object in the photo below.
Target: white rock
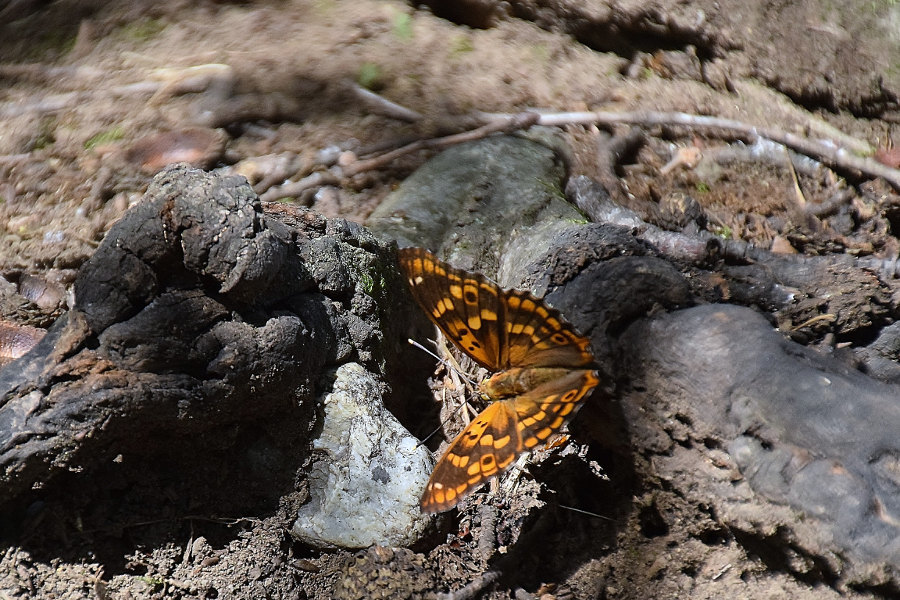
(366, 484)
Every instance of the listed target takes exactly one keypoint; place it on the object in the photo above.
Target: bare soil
(86, 84)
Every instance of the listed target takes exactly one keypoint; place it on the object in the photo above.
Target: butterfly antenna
(413, 342)
(451, 366)
(585, 512)
(428, 437)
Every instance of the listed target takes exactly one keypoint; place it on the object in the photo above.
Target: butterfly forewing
(466, 307)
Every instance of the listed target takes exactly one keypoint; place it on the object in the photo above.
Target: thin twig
(42, 72)
(585, 512)
(798, 191)
(506, 123)
(383, 106)
(825, 152)
(764, 151)
(294, 189)
(57, 102)
(721, 572)
(487, 534)
(473, 589)
(698, 249)
(15, 158)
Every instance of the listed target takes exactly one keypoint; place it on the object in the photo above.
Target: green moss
(460, 45)
(373, 282)
(403, 26)
(552, 188)
(368, 283)
(722, 231)
(370, 76)
(702, 187)
(142, 29)
(105, 137)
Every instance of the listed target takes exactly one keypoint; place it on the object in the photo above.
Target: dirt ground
(271, 89)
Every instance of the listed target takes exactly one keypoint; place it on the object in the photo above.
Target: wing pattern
(533, 351)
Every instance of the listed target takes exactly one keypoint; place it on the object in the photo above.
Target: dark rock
(805, 430)
(498, 199)
(200, 331)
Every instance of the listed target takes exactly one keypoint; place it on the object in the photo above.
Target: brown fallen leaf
(16, 340)
(198, 146)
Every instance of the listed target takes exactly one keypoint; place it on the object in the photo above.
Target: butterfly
(543, 369)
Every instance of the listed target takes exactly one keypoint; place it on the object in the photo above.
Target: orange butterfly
(542, 369)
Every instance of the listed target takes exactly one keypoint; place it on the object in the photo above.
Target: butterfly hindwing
(502, 431)
(484, 449)
(542, 411)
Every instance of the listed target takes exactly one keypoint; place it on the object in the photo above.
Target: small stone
(781, 245)
(16, 340)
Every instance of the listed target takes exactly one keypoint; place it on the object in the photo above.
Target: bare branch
(290, 190)
(506, 123)
(383, 106)
(474, 588)
(824, 151)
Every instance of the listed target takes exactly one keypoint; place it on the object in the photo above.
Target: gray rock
(366, 484)
(487, 206)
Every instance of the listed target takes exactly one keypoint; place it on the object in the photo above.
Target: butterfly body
(518, 380)
(543, 370)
